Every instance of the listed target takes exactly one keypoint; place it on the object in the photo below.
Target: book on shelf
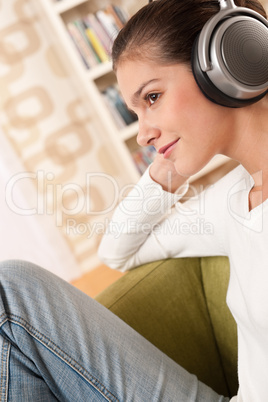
(143, 157)
(77, 33)
(97, 45)
(117, 106)
(94, 33)
(120, 22)
(91, 22)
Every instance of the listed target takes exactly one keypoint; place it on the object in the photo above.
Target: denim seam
(50, 345)
(4, 370)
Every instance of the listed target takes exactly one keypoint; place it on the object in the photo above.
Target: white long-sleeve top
(217, 222)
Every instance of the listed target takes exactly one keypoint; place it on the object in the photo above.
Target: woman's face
(174, 116)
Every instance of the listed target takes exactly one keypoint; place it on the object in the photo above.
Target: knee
(19, 271)
(22, 282)
(15, 266)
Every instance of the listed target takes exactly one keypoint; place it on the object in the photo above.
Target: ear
(230, 57)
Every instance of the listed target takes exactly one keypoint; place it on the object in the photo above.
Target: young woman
(58, 344)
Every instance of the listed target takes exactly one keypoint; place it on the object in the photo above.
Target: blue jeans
(57, 344)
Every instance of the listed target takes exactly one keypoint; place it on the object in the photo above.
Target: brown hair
(165, 30)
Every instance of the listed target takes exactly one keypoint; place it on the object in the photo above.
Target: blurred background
(68, 152)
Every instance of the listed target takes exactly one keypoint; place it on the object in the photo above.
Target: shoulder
(236, 177)
(216, 197)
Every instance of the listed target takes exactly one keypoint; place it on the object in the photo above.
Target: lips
(167, 149)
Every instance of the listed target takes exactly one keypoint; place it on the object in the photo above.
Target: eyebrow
(136, 95)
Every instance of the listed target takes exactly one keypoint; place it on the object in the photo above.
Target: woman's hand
(162, 171)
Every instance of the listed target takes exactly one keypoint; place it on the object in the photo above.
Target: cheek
(190, 113)
(198, 115)
(187, 105)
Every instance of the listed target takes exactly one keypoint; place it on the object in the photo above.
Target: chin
(189, 170)
(182, 171)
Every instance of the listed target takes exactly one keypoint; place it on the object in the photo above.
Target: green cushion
(166, 302)
(215, 272)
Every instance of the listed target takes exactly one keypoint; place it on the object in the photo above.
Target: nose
(148, 133)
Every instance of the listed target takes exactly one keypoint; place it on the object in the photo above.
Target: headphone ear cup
(210, 90)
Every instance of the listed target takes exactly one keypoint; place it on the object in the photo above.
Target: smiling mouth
(167, 149)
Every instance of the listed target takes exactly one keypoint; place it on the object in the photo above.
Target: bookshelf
(62, 6)
(62, 19)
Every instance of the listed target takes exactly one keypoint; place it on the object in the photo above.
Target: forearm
(133, 222)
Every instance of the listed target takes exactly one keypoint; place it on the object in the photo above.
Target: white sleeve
(145, 227)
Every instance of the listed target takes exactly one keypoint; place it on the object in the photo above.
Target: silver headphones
(230, 56)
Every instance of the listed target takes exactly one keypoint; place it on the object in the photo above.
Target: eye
(152, 98)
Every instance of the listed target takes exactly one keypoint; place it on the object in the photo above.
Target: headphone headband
(228, 9)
